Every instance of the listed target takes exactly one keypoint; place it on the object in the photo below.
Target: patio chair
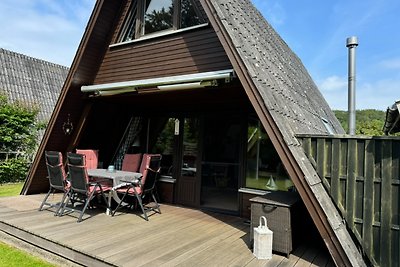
(144, 186)
(131, 162)
(92, 157)
(82, 190)
(57, 179)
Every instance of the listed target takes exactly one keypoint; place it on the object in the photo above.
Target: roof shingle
(31, 80)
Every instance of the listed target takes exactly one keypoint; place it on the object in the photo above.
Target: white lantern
(263, 240)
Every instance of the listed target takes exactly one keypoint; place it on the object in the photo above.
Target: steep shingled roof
(289, 92)
(288, 99)
(31, 80)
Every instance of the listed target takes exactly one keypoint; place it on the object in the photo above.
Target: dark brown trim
(79, 74)
(280, 145)
(62, 96)
(81, 126)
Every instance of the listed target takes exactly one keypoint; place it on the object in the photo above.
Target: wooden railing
(362, 176)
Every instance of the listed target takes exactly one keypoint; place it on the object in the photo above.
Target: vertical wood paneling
(364, 175)
(368, 196)
(335, 176)
(328, 161)
(386, 203)
(321, 161)
(395, 204)
(351, 182)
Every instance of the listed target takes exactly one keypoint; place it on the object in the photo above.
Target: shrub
(13, 170)
(19, 130)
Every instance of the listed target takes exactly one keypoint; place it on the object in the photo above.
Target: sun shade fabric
(92, 157)
(130, 86)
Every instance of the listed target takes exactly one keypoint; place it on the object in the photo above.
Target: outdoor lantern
(262, 240)
(67, 126)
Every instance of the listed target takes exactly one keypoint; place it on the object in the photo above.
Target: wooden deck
(177, 237)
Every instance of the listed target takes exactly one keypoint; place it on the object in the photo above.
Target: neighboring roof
(287, 102)
(31, 80)
(392, 121)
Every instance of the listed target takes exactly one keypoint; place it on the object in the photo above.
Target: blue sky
(315, 30)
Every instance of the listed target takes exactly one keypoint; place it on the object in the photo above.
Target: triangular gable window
(152, 16)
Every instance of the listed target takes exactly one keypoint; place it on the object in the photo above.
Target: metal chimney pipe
(351, 44)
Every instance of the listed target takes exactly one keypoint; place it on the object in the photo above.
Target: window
(189, 16)
(128, 31)
(158, 15)
(264, 169)
(152, 16)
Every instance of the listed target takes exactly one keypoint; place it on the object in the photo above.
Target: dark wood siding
(184, 53)
(87, 60)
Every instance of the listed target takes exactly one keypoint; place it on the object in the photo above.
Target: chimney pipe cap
(352, 41)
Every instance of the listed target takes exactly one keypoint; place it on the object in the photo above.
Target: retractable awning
(188, 81)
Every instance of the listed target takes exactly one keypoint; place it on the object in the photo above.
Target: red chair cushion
(131, 162)
(92, 157)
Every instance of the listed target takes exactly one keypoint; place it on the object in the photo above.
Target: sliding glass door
(220, 163)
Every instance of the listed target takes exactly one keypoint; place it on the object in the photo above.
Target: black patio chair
(143, 186)
(82, 190)
(57, 179)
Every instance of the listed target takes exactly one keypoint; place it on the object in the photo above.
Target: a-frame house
(211, 86)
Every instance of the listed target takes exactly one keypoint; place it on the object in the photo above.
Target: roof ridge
(21, 55)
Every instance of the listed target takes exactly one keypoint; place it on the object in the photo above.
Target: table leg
(108, 211)
(113, 193)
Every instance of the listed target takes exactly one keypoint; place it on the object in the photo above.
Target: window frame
(140, 22)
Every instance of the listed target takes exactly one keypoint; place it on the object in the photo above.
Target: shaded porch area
(177, 237)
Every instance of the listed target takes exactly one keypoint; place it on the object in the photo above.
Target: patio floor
(177, 237)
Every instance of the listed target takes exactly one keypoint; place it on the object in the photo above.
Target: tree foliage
(18, 127)
(18, 133)
(368, 122)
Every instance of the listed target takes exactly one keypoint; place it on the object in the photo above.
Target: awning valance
(187, 81)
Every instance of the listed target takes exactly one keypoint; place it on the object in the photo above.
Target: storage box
(279, 208)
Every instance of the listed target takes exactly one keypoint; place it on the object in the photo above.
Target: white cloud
(369, 95)
(272, 11)
(45, 29)
(333, 83)
(393, 63)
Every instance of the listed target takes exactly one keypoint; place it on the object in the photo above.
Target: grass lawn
(10, 256)
(11, 189)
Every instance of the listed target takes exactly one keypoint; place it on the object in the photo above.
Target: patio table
(118, 178)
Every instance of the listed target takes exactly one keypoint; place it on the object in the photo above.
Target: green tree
(368, 121)
(159, 20)
(18, 133)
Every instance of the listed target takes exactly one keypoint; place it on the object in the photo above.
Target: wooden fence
(362, 175)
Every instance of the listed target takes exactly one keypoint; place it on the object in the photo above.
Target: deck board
(178, 236)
